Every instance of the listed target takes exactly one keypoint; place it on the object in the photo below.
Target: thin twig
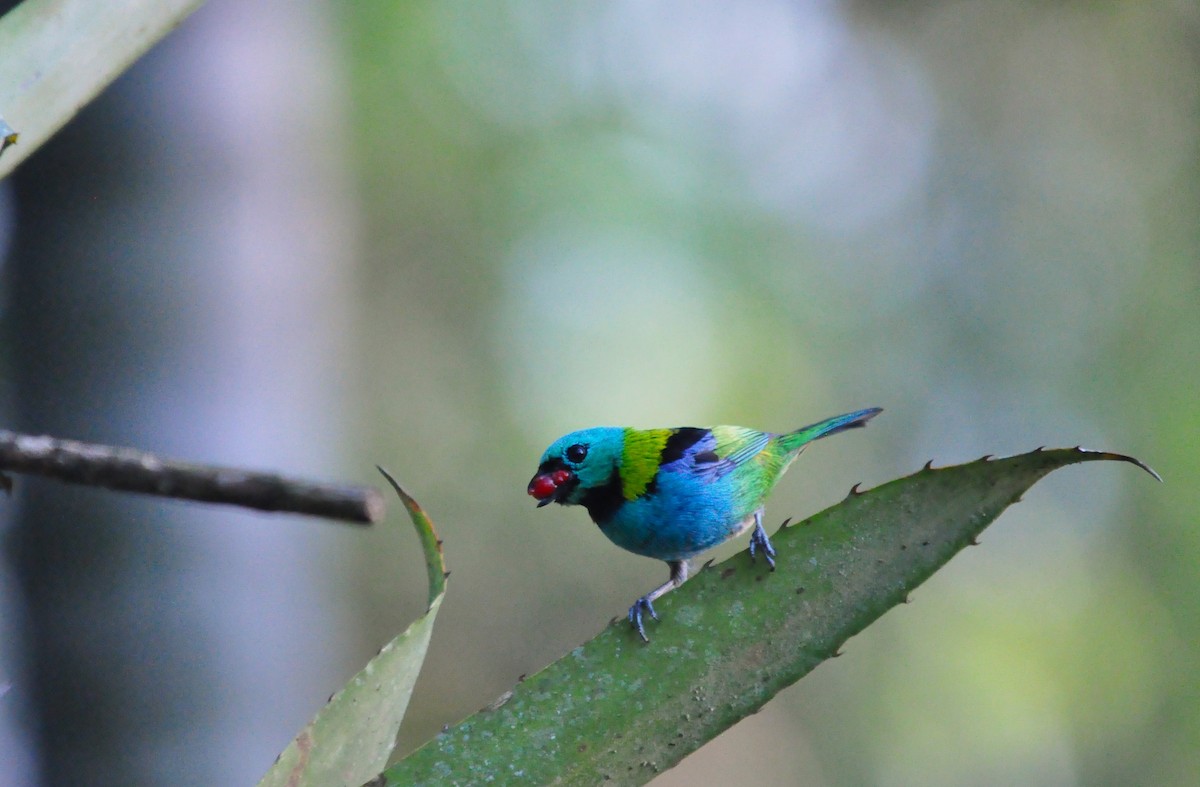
(130, 470)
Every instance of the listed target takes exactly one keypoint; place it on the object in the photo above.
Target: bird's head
(576, 463)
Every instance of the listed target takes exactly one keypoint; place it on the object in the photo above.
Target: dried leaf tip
(1122, 458)
(404, 496)
(928, 465)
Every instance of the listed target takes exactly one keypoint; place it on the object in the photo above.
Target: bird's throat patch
(640, 459)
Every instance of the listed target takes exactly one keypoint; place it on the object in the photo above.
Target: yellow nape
(639, 459)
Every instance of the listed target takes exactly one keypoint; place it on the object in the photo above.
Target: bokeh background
(312, 237)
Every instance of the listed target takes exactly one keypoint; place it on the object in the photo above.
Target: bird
(673, 493)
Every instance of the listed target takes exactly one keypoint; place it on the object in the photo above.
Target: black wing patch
(680, 441)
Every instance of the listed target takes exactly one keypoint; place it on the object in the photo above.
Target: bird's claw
(635, 615)
(759, 540)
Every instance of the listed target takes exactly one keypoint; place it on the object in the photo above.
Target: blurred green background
(436, 236)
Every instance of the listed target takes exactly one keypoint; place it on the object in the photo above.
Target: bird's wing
(736, 444)
(710, 453)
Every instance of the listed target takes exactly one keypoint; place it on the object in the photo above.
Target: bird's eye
(577, 453)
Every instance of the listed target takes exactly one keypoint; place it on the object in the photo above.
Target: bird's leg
(759, 540)
(679, 573)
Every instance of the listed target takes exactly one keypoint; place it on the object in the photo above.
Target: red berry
(545, 485)
(542, 487)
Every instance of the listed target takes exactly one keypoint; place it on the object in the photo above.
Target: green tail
(794, 441)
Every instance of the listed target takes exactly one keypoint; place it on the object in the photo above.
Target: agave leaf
(350, 740)
(57, 55)
(731, 638)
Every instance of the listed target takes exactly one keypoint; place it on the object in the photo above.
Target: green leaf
(57, 55)
(352, 737)
(731, 638)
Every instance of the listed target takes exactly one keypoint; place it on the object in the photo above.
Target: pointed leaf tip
(409, 503)
(435, 562)
(1133, 460)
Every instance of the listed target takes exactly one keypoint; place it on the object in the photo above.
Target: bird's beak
(549, 487)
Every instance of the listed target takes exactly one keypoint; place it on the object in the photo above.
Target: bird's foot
(635, 615)
(759, 541)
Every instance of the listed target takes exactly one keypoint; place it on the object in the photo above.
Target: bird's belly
(675, 529)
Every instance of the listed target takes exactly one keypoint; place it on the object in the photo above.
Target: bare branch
(130, 470)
